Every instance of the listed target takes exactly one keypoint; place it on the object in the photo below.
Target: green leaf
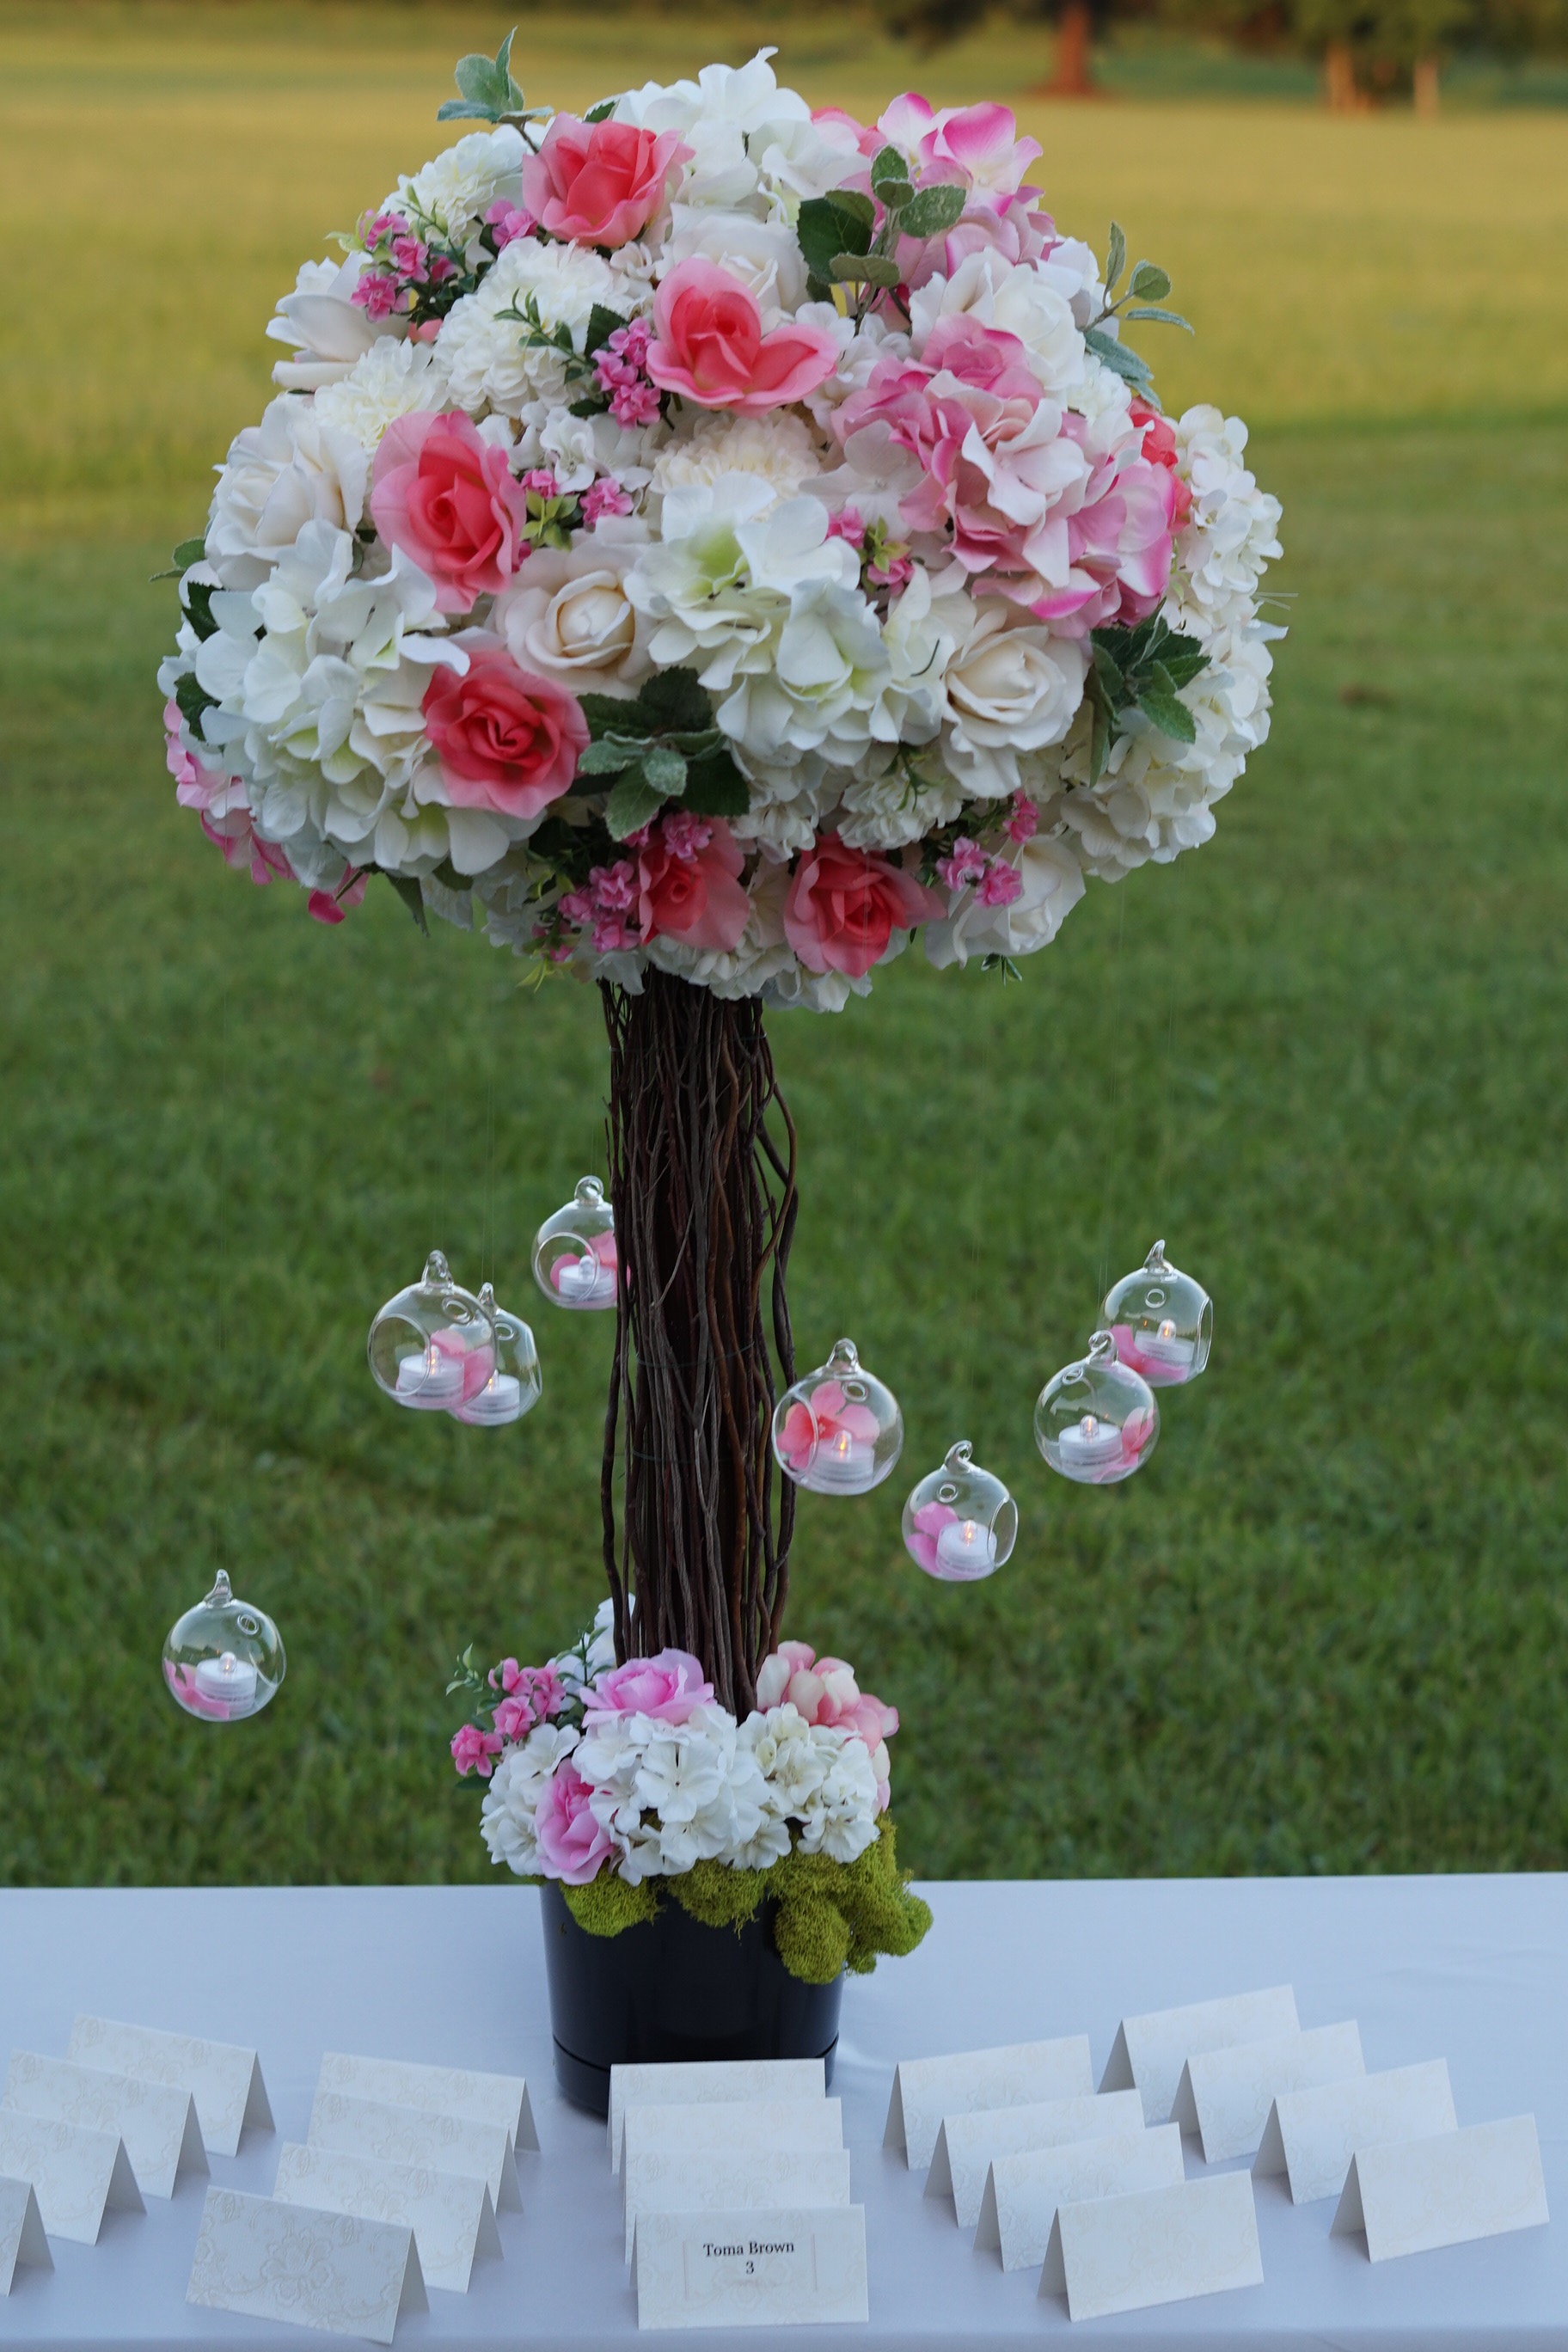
(665, 769)
(614, 714)
(194, 699)
(1165, 318)
(198, 603)
(1098, 739)
(608, 757)
(1184, 660)
(595, 404)
(1157, 701)
(463, 110)
(189, 551)
(480, 82)
(716, 787)
(678, 702)
(865, 269)
(827, 225)
(1108, 671)
(632, 805)
(894, 195)
(1125, 363)
(1149, 284)
(413, 897)
(886, 163)
(1115, 257)
(602, 112)
(450, 878)
(603, 323)
(931, 211)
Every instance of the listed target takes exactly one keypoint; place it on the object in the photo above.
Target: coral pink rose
(669, 1688)
(506, 738)
(843, 906)
(600, 183)
(572, 1844)
(689, 886)
(710, 347)
(449, 501)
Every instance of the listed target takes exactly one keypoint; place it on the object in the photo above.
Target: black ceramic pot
(671, 1988)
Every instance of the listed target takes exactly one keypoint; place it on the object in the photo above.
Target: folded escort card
(965, 2145)
(1156, 2245)
(801, 2126)
(409, 2135)
(1224, 2095)
(1149, 2052)
(159, 2127)
(317, 2269)
(714, 2180)
(77, 2174)
(1021, 2075)
(1023, 2192)
(437, 2090)
(700, 2082)
(22, 2238)
(223, 2081)
(1444, 2191)
(449, 2214)
(1311, 2136)
(769, 2268)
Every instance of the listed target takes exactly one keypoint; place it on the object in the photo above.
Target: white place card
(1021, 2075)
(1224, 2095)
(159, 2127)
(449, 2214)
(317, 2269)
(966, 2144)
(223, 2080)
(439, 2090)
(719, 2082)
(719, 2180)
(1156, 2245)
(776, 2269)
(1149, 2052)
(1311, 2136)
(802, 2126)
(408, 2135)
(78, 2174)
(22, 2238)
(1023, 2192)
(1444, 2191)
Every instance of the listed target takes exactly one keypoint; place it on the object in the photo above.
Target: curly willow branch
(705, 1204)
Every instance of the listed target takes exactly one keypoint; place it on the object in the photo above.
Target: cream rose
(1053, 885)
(567, 614)
(1010, 688)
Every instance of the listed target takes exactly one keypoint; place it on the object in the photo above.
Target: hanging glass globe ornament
(224, 1659)
(502, 1381)
(961, 1523)
(574, 1260)
(1097, 1422)
(1162, 1321)
(839, 1430)
(421, 1342)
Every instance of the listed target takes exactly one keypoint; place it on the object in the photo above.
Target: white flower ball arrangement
(722, 537)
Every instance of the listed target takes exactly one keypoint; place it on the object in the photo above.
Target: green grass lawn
(1324, 1629)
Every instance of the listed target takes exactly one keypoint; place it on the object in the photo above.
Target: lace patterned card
(1224, 2095)
(1156, 2245)
(706, 2180)
(704, 2084)
(449, 2214)
(1311, 2136)
(1150, 2052)
(1023, 2192)
(475, 2098)
(158, 2124)
(966, 2144)
(273, 2261)
(1444, 2191)
(1021, 2074)
(78, 2174)
(22, 2238)
(408, 2135)
(223, 2080)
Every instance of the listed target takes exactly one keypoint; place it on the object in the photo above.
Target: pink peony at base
(572, 1844)
(843, 906)
(710, 347)
(669, 1687)
(448, 500)
(507, 740)
(600, 183)
(824, 1690)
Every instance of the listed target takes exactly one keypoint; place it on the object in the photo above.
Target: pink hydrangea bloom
(668, 1687)
(572, 1844)
(474, 1750)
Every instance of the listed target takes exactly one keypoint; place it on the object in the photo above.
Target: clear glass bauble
(839, 1430)
(1162, 1321)
(501, 1381)
(574, 1260)
(1097, 1422)
(224, 1659)
(961, 1523)
(421, 1342)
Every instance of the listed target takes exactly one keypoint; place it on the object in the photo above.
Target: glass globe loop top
(839, 1430)
(223, 1659)
(961, 1523)
(574, 1256)
(421, 1342)
(1097, 1422)
(503, 1381)
(1162, 1321)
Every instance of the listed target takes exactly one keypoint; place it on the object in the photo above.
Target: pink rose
(668, 1689)
(474, 1750)
(843, 906)
(710, 347)
(689, 886)
(506, 739)
(448, 500)
(572, 1844)
(600, 183)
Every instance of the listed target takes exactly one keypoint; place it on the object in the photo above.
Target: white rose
(764, 256)
(1053, 885)
(290, 469)
(1011, 687)
(567, 616)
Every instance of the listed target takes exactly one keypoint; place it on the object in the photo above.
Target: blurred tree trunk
(1339, 78)
(1426, 87)
(1070, 76)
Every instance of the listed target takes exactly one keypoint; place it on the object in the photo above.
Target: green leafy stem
(1144, 293)
(842, 245)
(661, 746)
(1140, 669)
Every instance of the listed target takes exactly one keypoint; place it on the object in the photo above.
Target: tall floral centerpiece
(706, 544)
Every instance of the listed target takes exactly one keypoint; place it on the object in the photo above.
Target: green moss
(607, 1903)
(717, 1895)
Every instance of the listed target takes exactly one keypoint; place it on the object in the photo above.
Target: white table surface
(1474, 1970)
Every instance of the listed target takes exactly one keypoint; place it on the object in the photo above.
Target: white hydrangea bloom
(818, 1777)
(393, 379)
(1052, 876)
(824, 680)
(776, 450)
(452, 194)
(1232, 530)
(510, 1805)
(296, 467)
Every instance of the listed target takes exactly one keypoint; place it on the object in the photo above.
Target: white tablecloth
(1472, 1969)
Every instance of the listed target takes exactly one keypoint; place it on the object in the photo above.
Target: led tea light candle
(965, 1548)
(848, 1465)
(499, 1400)
(1165, 1348)
(227, 1677)
(1089, 1444)
(960, 1524)
(584, 1281)
(430, 1378)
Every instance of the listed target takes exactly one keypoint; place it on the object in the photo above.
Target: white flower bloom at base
(512, 1799)
(1233, 530)
(695, 581)
(487, 351)
(817, 1777)
(778, 450)
(900, 803)
(826, 674)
